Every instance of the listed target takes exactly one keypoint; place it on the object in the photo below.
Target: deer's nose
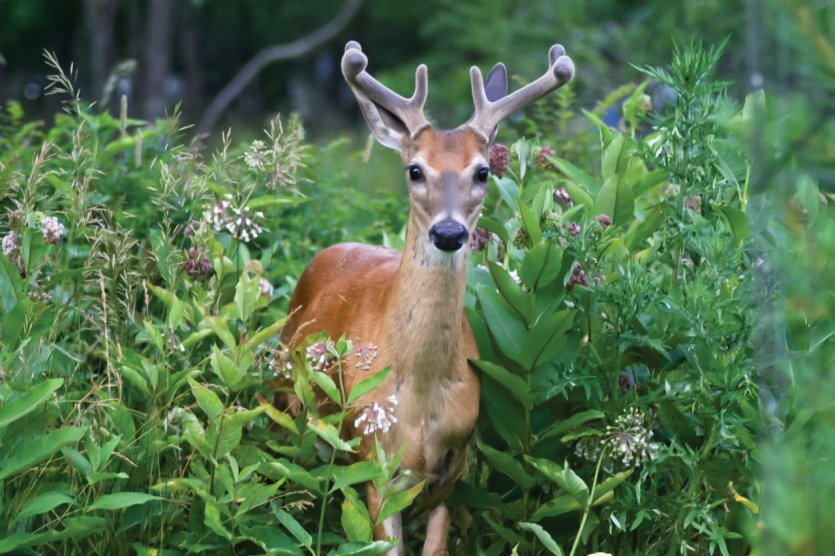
(448, 235)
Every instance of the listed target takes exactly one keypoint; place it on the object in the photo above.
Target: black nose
(448, 235)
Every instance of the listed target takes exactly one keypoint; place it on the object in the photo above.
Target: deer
(411, 306)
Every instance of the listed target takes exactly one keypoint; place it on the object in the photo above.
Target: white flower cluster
(377, 417)
(52, 230)
(241, 223)
(11, 244)
(265, 287)
(321, 354)
(365, 354)
(281, 363)
(629, 439)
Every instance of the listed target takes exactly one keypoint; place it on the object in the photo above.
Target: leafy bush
(614, 300)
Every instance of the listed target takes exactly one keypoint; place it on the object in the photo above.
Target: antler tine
(409, 111)
(488, 113)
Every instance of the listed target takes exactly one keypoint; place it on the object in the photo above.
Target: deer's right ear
(389, 116)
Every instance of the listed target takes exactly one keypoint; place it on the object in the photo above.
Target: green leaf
(226, 369)
(564, 476)
(38, 449)
(292, 472)
(274, 201)
(246, 296)
(364, 549)
(616, 201)
(517, 299)
(269, 537)
(505, 413)
(212, 520)
(265, 333)
(223, 436)
(541, 265)
(355, 519)
(557, 506)
(508, 190)
(163, 255)
(513, 383)
(546, 339)
(611, 157)
(28, 402)
(495, 226)
(508, 330)
(738, 222)
(366, 385)
(358, 472)
(577, 419)
(11, 285)
(278, 417)
(610, 484)
(120, 500)
(544, 537)
(399, 501)
(531, 223)
(329, 434)
(221, 330)
(506, 464)
(575, 174)
(292, 525)
(208, 401)
(327, 385)
(42, 504)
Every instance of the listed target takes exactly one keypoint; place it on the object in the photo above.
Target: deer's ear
(387, 128)
(495, 87)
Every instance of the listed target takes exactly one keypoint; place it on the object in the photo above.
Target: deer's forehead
(448, 150)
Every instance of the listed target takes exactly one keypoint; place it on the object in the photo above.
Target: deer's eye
(415, 173)
(482, 173)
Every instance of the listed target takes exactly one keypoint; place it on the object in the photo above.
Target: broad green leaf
(366, 385)
(10, 285)
(40, 448)
(504, 324)
(265, 333)
(541, 264)
(28, 402)
(559, 427)
(557, 506)
(505, 413)
(355, 519)
(610, 484)
(292, 525)
(583, 201)
(546, 339)
(544, 537)
(375, 548)
(517, 299)
(508, 190)
(226, 369)
(288, 470)
(616, 201)
(120, 500)
(399, 501)
(738, 222)
(279, 417)
(327, 385)
(507, 464)
(564, 476)
(213, 520)
(329, 434)
(575, 174)
(495, 226)
(75, 528)
(208, 401)
(247, 294)
(163, 255)
(42, 504)
(611, 157)
(274, 201)
(221, 330)
(358, 472)
(270, 538)
(531, 223)
(513, 383)
(223, 436)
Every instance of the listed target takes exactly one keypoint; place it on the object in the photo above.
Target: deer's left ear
(495, 87)
(389, 116)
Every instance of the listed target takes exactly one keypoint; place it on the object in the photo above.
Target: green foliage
(623, 309)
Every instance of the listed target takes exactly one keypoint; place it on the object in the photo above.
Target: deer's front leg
(391, 527)
(436, 532)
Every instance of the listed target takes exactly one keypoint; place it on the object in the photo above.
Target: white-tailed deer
(411, 305)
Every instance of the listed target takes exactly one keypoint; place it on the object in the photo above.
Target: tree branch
(272, 54)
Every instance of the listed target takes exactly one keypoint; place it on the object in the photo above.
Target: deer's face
(446, 173)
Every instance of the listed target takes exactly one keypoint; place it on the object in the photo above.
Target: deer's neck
(427, 312)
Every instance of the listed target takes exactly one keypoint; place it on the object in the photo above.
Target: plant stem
(587, 509)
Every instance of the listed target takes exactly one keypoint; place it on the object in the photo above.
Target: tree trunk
(157, 56)
(190, 45)
(100, 16)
